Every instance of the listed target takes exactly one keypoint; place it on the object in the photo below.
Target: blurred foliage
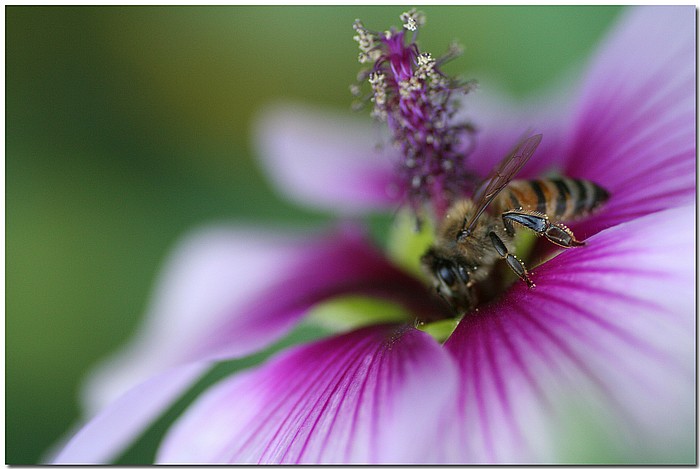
(128, 126)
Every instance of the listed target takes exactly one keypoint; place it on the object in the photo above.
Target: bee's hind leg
(539, 223)
(513, 262)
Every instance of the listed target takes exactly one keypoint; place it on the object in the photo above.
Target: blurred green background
(128, 126)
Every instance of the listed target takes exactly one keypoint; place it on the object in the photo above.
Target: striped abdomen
(559, 198)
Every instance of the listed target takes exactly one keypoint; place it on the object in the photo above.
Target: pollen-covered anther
(410, 24)
(425, 60)
(412, 19)
(426, 72)
(378, 83)
(369, 52)
(369, 57)
(411, 94)
(407, 87)
(437, 82)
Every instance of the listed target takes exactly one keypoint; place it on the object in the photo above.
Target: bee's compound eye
(446, 275)
(463, 273)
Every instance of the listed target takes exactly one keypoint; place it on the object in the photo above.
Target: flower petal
(326, 160)
(228, 292)
(635, 133)
(376, 395)
(118, 425)
(502, 120)
(606, 341)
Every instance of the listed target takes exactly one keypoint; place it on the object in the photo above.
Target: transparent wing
(500, 177)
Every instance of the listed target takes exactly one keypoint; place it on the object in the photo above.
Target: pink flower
(596, 364)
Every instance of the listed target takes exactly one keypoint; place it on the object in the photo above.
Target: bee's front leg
(513, 262)
(539, 223)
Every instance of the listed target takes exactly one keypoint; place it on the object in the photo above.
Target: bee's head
(451, 278)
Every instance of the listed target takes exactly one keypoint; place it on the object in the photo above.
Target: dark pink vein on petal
(476, 374)
(499, 382)
(562, 317)
(320, 405)
(568, 353)
(304, 378)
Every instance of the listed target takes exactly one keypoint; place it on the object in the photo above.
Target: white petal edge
(202, 283)
(113, 429)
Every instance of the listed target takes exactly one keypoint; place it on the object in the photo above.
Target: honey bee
(471, 239)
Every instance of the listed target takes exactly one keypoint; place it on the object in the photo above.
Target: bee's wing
(501, 176)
